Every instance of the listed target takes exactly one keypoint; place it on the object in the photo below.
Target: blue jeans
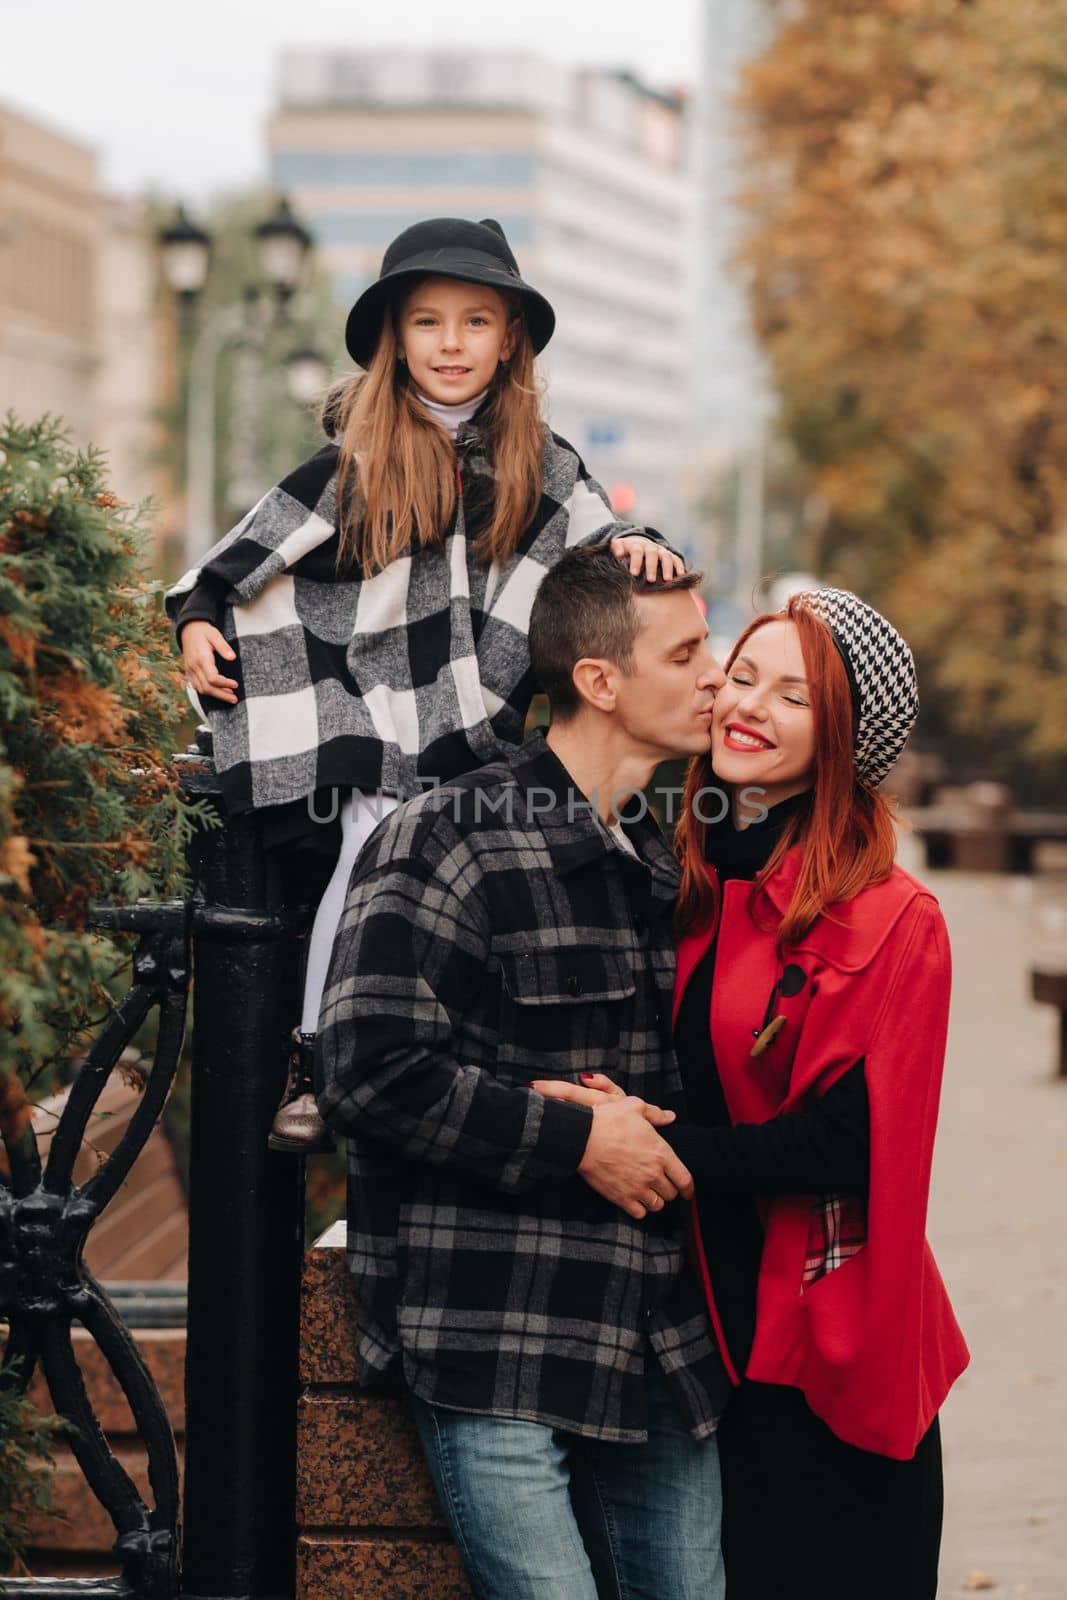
(539, 1514)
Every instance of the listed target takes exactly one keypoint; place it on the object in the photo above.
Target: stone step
(164, 1352)
(82, 1526)
(81, 1542)
(348, 1566)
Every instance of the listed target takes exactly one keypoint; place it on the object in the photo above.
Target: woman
(370, 612)
(810, 1017)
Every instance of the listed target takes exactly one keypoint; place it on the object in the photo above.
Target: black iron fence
(234, 1534)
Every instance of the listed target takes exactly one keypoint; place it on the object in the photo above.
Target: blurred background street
(996, 1225)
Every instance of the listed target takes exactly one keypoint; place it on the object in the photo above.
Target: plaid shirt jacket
(494, 933)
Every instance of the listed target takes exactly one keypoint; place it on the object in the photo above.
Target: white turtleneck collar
(452, 418)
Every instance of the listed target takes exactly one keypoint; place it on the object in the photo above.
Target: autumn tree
(908, 252)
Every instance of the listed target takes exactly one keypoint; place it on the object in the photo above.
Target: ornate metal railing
(45, 1287)
(243, 926)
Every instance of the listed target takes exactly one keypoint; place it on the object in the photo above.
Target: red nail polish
(586, 1077)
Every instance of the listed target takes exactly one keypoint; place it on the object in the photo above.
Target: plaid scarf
(396, 681)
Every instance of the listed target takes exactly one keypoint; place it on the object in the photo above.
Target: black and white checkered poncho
(393, 682)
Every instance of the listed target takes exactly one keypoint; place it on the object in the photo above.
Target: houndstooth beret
(885, 690)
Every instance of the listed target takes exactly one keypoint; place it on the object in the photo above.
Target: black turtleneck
(822, 1149)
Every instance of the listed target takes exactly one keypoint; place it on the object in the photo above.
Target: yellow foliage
(908, 255)
(15, 1111)
(17, 860)
(80, 712)
(20, 642)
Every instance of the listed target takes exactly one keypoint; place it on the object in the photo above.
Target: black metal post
(246, 1220)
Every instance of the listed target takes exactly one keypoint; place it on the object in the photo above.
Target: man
(523, 1259)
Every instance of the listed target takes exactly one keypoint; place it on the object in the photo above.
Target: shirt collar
(572, 832)
(452, 417)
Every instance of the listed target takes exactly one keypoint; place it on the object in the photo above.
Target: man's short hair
(584, 607)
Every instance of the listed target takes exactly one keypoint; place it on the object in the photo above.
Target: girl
(371, 611)
(810, 1017)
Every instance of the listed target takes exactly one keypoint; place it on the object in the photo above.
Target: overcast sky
(174, 95)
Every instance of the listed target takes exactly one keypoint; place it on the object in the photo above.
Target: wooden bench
(1048, 985)
(916, 778)
(977, 829)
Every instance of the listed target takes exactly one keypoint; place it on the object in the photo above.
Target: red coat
(872, 1343)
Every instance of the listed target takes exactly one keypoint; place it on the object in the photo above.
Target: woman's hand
(593, 1090)
(656, 559)
(201, 643)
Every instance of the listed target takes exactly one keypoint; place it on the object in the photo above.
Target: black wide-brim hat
(445, 247)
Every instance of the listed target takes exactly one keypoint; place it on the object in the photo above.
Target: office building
(80, 337)
(731, 394)
(50, 239)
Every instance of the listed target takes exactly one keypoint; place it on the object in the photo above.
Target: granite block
(370, 1524)
(327, 1318)
(82, 1526)
(346, 1567)
(360, 1464)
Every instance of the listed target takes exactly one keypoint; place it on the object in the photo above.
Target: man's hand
(640, 552)
(627, 1162)
(201, 643)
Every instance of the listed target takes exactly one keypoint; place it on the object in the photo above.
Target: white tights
(360, 815)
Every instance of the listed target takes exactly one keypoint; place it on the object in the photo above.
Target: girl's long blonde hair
(397, 467)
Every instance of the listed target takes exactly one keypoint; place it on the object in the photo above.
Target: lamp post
(284, 244)
(305, 373)
(185, 250)
(186, 257)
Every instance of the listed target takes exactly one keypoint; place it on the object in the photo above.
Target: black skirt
(812, 1518)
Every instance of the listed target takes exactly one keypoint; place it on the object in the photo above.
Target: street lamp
(306, 374)
(283, 247)
(185, 251)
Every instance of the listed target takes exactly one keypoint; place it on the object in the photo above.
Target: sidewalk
(998, 1225)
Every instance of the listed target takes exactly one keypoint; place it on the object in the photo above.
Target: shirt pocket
(562, 1011)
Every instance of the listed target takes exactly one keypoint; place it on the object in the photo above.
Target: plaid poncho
(392, 682)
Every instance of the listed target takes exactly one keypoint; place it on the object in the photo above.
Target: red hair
(845, 833)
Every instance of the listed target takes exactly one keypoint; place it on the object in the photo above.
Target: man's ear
(594, 680)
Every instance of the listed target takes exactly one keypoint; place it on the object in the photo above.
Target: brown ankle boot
(297, 1127)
